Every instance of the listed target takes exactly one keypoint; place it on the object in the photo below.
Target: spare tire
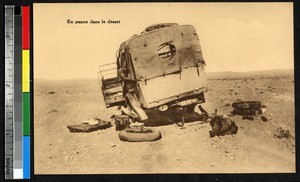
(246, 105)
(138, 135)
(247, 112)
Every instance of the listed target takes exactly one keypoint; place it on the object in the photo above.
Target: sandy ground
(255, 148)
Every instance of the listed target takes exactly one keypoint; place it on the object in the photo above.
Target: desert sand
(258, 147)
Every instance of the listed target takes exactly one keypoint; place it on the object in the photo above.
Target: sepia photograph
(163, 88)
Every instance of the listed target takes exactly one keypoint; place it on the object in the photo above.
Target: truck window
(166, 50)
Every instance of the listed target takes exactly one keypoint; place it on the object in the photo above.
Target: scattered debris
(121, 122)
(282, 133)
(129, 112)
(264, 119)
(89, 126)
(248, 117)
(204, 114)
(53, 110)
(91, 122)
(227, 104)
(222, 125)
(138, 125)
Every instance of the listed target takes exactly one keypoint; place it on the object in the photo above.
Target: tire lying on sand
(252, 112)
(138, 135)
(247, 105)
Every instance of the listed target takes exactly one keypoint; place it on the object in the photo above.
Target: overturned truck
(159, 73)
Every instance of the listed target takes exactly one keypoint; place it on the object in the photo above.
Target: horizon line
(88, 78)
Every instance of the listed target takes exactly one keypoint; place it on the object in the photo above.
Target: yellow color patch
(25, 71)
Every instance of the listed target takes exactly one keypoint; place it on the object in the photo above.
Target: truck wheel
(138, 135)
(247, 105)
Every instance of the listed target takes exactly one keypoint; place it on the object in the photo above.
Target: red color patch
(25, 28)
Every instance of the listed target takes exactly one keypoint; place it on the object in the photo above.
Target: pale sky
(233, 36)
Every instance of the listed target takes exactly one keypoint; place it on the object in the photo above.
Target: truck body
(162, 68)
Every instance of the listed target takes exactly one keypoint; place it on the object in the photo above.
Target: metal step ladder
(111, 87)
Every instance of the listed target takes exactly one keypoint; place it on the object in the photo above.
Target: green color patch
(26, 114)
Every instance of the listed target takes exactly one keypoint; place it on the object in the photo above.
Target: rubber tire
(135, 135)
(247, 105)
(247, 112)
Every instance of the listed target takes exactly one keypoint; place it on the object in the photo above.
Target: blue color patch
(26, 157)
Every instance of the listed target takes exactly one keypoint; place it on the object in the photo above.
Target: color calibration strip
(26, 90)
(9, 91)
(17, 92)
